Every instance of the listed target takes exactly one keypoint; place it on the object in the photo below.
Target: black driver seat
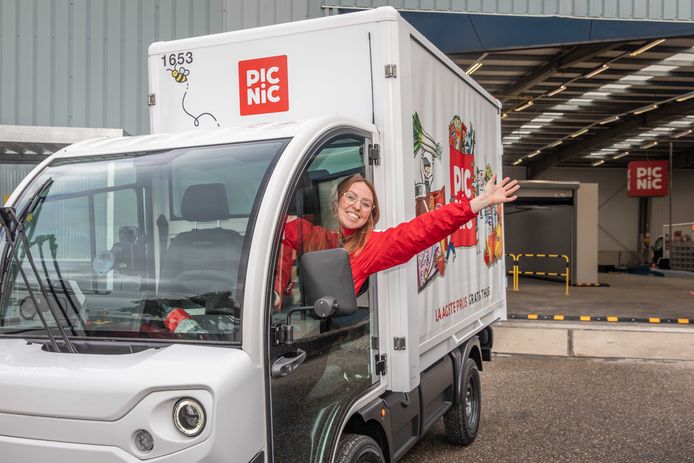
(203, 261)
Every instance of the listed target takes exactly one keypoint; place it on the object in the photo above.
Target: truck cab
(124, 231)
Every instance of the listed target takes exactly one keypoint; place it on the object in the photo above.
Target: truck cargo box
(439, 137)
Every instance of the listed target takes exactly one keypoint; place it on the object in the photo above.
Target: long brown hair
(356, 241)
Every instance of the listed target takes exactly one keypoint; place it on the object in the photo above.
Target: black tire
(462, 420)
(356, 448)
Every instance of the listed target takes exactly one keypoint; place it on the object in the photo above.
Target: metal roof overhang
(577, 92)
(25, 144)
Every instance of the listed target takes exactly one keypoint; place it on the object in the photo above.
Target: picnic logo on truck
(263, 85)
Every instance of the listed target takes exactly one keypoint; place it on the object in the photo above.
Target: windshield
(139, 245)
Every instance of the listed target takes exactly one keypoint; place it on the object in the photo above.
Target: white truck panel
(337, 65)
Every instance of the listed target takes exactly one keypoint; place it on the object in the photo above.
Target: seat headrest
(205, 203)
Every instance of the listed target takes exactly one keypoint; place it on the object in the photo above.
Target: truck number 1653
(184, 57)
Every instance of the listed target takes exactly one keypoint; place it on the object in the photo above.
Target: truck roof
(385, 13)
(200, 137)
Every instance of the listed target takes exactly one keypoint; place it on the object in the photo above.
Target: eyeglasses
(351, 198)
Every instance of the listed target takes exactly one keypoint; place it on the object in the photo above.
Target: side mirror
(328, 283)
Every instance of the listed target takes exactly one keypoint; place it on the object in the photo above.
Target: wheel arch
(471, 349)
(370, 422)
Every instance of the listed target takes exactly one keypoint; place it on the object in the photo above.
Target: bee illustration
(180, 75)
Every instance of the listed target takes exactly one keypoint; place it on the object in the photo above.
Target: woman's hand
(495, 194)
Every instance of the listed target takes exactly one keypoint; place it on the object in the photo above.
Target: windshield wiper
(14, 229)
(53, 248)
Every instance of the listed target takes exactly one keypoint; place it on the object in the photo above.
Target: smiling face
(354, 216)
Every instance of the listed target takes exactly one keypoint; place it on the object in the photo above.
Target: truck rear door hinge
(399, 343)
(374, 155)
(391, 71)
(151, 99)
(381, 364)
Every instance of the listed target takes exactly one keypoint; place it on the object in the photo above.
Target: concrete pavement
(595, 339)
(569, 409)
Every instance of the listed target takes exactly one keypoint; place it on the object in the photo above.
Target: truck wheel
(356, 448)
(462, 420)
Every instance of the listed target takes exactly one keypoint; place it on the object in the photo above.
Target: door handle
(287, 363)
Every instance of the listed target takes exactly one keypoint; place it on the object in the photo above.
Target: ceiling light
(658, 68)
(682, 134)
(635, 78)
(614, 87)
(579, 133)
(649, 145)
(597, 71)
(531, 126)
(580, 101)
(645, 109)
(686, 58)
(504, 115)
(535, 153)
(646, 47)
(559, 89)
(518, 161)
(621, 155)
(685, 97)
(608, 120)
(525, 105)
(597, 94)
(474, 67)
(681, 123)
(556, 143)
(599, 163)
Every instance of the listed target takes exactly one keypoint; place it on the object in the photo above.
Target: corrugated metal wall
(10, 176)
(679, 10)
(242, 14)
(82, 63)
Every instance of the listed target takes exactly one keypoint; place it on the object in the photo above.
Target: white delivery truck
(108, 239)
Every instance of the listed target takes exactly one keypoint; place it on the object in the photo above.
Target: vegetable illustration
(423, 141)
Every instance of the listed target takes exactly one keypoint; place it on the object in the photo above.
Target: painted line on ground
(599, 318)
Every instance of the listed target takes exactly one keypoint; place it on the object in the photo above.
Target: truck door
(334, 358)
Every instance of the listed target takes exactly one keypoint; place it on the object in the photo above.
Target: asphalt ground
(625, 296)
(551, 409)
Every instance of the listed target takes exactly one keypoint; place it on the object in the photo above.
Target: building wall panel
(83, 62)
(682, 204)
(10, 176)
(617, 213)
(41, 101)
(8, 67)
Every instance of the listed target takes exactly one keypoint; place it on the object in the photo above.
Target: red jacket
(383, 250)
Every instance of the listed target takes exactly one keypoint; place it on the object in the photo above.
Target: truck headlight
(189, 417)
